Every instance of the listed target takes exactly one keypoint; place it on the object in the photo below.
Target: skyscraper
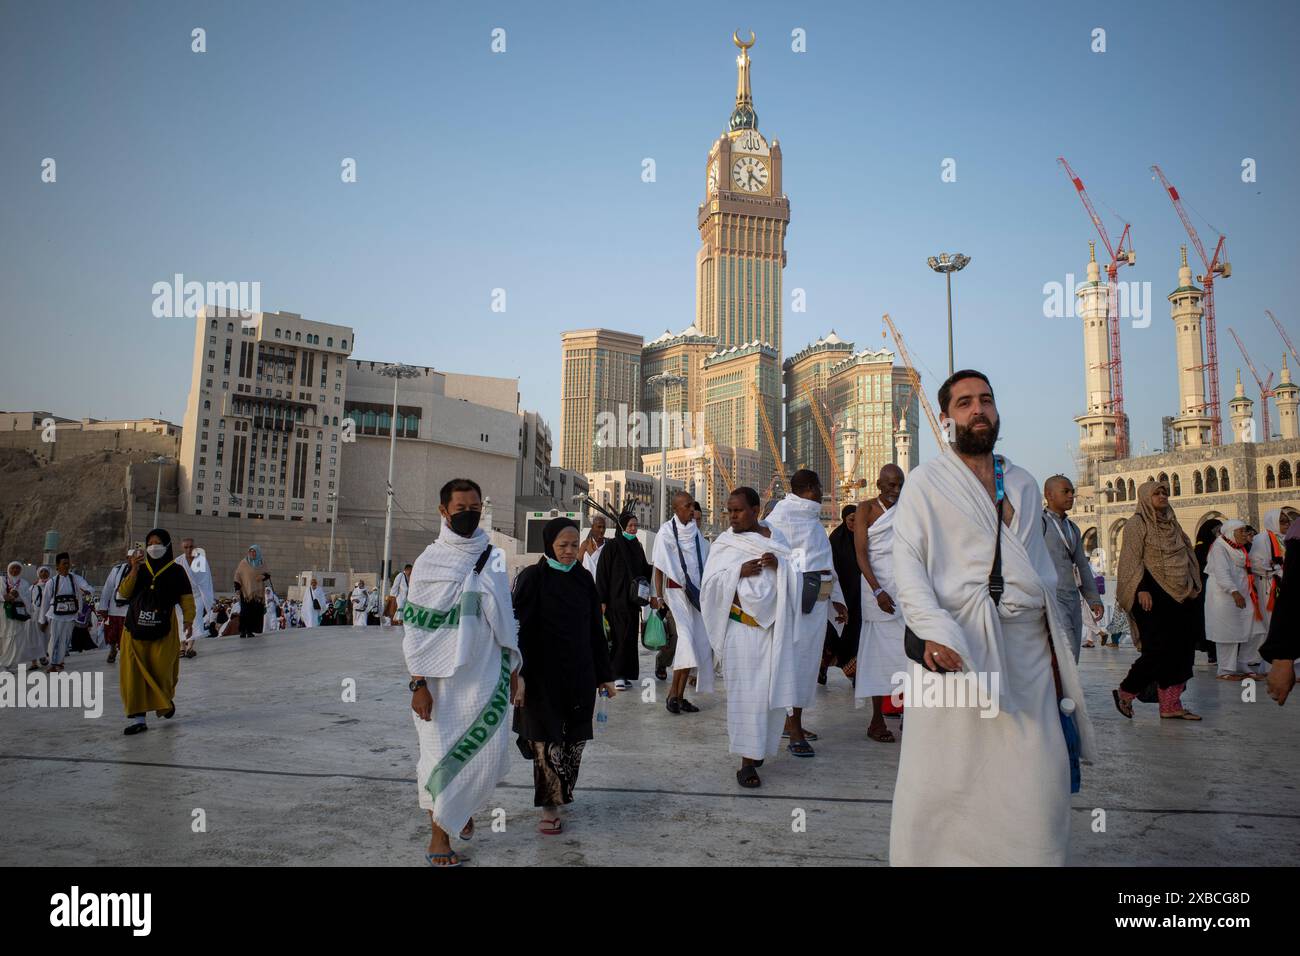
(810, 366)
(600, 396)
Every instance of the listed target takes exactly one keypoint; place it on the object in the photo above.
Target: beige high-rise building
(680, 354)
(872, 396)
(262, 425)
(704, 472)
(742, 223)
(731, 378)
(600, 396)
(810, 366)
(1193, 425)
(1286, 395)
(1097, 424)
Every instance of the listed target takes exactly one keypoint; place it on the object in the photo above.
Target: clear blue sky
(522, 171)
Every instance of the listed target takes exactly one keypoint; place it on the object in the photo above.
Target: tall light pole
(332, 498)
(662, 381)
(947, 264)
(158, 460)
(396, 372)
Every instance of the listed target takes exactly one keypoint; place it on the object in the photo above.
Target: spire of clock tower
(743, 116)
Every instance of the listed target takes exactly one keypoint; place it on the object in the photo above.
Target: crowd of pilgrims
(566, 634)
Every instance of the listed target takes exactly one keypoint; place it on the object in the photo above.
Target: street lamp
(332, 498)
(662, 381)
(948, 264)
(396, 372)
(158, 460)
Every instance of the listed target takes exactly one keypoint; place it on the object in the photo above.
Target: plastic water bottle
(602, 710)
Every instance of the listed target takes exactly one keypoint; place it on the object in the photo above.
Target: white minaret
(1286, 395)
(849, 443)
(1241, 411)
(1192, 424)
(1097, 425)
(903, 445)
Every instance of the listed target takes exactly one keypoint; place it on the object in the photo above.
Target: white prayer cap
(1228, 527)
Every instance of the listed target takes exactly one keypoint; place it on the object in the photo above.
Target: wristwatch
(417, 684)
(877, 592)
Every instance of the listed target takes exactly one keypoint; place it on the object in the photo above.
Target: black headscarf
(552, 531)
(623, 519)
(168, 579)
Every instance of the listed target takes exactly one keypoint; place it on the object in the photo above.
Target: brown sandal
(884, 735)
(1125, 707)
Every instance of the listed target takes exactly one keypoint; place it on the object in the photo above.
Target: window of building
(1211, 481)
(1176, 487)
(1284, 474)
(1198, 485)
(329, 342)
(1223, 480)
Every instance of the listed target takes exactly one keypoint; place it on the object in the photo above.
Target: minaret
(903, 445)
(1286, 395)
(1241, 410)
(849, 444)
(1192, 425)
(1097, 425)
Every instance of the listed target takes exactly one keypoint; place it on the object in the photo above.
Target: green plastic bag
(652, 635)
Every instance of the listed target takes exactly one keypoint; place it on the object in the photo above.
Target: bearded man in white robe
(680, 554)
(461, 644)
(798, 516)
(983, 781)
(749, 601)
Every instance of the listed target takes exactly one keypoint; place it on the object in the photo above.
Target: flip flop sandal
(1181, 715)
(884, 736)
(1125, 707)
(807, 735)
(450, 856)
(747, 777)
(551, 827)
(468, 831)
(801, 748)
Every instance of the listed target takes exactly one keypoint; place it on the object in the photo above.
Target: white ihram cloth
(310, 615)
(975, 790)
(359, 601)
(880, 644)
(271, 619)
(464, 661)
(757, 662)
(1225, 623)
(401, 587)
(20, 641)
(592, 561)
(200, 573)
(62, 625)
(1266, 573)
(693, 648)
(799, 521)
(108, 595)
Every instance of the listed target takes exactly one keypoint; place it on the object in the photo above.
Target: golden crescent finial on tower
(735, 38)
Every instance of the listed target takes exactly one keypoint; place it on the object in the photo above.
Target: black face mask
(464, 523)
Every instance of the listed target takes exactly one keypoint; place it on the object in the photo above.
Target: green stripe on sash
(476, 738)
(432, 619)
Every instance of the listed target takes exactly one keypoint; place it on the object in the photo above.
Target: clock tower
(742, 224)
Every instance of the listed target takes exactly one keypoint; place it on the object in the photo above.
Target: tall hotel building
(808, 371)
(600, 373)
(261, 429)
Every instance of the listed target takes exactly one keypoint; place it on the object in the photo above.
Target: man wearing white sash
(360, 600)
(1266, 556)
(749, 601)
(880, 645)
(314, 603)
(461, 646)
(401, 587)
(982, 782)
(798, 517)
(680, 554)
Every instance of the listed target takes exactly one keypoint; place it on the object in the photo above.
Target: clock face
(749, 174)
(713, 176)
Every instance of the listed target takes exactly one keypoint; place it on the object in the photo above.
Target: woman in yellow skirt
(150, 653)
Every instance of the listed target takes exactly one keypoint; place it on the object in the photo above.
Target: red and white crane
(1214, 266)
(1285, 338)
(1119, 256)
(1265, 389)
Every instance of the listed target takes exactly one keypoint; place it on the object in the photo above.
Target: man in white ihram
(974, 789)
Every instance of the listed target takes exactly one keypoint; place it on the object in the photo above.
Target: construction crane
(829, 439)
(1265, 389)
(717, 463)
(915, 380)
(1119, 256)
(1214, 266)
(777, 463)
(1285, 338)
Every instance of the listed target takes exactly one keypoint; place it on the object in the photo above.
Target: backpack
(149, 617)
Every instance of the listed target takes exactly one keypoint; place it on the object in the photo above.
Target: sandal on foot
(686, 706)
(807, 735)
(747, 777)
(882, 735)
(661, 673)
(551, 827)
(1182, 715)
(450, 856)
(467, 832)
(801, 748)
(673, 706)
(132, 729)
(1125, 707)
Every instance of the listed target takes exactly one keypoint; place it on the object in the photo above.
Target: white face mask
(156, 551)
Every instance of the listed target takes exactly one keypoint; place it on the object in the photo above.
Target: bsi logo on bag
(103, 909)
